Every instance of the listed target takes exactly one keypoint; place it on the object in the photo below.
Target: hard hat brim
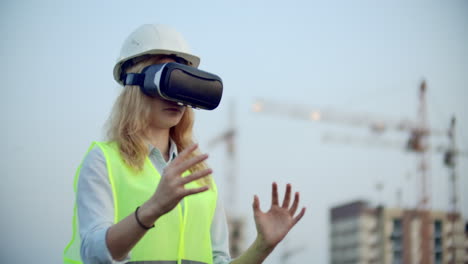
(194, 60)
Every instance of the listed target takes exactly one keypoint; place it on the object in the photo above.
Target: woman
(146, 195)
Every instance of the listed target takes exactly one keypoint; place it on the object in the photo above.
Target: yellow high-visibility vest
(181, 236)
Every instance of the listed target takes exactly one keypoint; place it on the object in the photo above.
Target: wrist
(260, 245)
(140, 223)
(148, 214)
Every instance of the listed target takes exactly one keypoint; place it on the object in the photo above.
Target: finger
(256, 204)
(196, 175)
(187, 164)
(293, 209)
(287, 196)
(185, 153)
(274, 194)
(299, 216)
(192, 191)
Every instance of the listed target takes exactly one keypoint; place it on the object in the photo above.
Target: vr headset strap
(134, 79)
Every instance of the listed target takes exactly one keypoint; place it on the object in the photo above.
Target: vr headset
(179, 83)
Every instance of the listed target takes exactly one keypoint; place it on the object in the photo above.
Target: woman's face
(165, 114)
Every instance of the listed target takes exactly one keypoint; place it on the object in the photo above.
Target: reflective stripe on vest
(178, 235)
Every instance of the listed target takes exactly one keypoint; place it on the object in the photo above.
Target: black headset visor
(179, 83)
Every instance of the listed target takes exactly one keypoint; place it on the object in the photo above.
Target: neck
(159, 138)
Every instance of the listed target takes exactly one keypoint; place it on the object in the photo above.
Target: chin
(166, 124)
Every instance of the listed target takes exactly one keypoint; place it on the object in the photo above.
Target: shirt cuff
(96, 251)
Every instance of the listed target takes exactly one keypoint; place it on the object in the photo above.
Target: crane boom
(418, 129)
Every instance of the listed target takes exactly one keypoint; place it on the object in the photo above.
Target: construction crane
(450, 153)
(419, 132)
(236, 222)
(450, 160)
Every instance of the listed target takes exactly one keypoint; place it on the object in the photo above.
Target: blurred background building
(360, 233)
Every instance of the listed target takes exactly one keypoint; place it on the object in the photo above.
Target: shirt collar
(173, 152)
(173, 149)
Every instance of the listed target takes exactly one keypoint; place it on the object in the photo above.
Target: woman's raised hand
(171, 186)
(272, 226)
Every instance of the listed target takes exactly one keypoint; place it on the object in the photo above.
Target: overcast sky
(349, 56)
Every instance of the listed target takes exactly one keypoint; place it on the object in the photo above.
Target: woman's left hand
(272, 226)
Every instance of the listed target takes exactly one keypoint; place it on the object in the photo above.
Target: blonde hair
(130, 119)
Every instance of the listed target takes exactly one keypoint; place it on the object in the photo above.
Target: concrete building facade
(363, 234)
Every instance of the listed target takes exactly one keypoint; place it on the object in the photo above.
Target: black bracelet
(139, 222)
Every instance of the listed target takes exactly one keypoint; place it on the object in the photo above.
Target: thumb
(256, 204)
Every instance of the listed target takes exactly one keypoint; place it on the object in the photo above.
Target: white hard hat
(153, 39)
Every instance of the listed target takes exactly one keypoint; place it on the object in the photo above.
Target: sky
(363, 57)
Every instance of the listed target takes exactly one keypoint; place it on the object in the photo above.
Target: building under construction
(360, 233)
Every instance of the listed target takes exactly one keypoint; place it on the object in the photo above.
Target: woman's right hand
(171, 190)
(124, 235)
